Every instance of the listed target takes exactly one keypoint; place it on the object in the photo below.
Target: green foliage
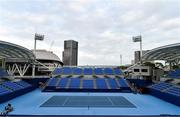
(149, 64)
(176, 67)
(159, 65)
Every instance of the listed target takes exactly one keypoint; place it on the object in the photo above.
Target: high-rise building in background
(70, 53)
(137, 56)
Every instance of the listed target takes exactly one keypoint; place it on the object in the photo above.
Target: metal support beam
(21, 70)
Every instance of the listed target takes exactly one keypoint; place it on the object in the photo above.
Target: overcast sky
(103, 28)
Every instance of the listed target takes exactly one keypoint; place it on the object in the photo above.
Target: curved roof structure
(10, 50)
(169, 52)
(46, 55)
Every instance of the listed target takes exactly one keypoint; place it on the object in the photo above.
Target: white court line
(65, 101)
(110, 101)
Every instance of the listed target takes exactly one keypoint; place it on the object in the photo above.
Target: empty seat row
(86, 71)
(90, 83)
(23, 84)
(9, 90)
(3, 73)
(14, 86)
(11, 85)
(174, 74)
(166, 92)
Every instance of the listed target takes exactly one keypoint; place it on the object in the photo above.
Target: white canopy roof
(13, 51)
(169, 52)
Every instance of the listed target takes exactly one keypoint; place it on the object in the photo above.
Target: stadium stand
(74, 83)
(63, 82)
(117, 71)
(3, 73)
(87, 84)
(10, 90)
(112, 83)
(67, 71)
(100, 83)
(108, 71)
(98, 71)
(88, 71)
(174, 74)
(123, 84)
(166, 91)
(52, 82)
(57, 71)
(77, 71)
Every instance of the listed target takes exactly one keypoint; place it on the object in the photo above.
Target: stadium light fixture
(40, 38)
(139, 39)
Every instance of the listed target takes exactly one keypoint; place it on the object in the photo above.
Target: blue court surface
(88, 101)
(56, 103)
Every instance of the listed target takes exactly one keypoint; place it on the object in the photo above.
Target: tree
(149, 64)
(159, 65)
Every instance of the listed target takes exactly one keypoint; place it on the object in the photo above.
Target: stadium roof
(46, 55)
(168, 52)
(13, 51)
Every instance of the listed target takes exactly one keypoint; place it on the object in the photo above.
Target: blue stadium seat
(52, 82)
(166, 92)
(63, 82)
(112, 83)
(77, 71)
(117, 71)
(101, 83)
(67, 71)
(74, 83)
(57, 71)
(3, 89)
(122, 83)
(161, 86)
(87, 84)
(3, 73)
(11, 85)
(174, 74)
(88, 71)
(23, 84)
(108, 71)
(98, 71)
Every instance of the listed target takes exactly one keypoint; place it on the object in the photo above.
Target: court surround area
(31, 104)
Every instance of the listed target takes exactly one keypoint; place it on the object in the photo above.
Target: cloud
(103, 28)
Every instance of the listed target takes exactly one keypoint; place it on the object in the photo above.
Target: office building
(70, 53)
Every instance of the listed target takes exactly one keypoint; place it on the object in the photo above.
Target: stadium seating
(108, 71)
(88, 71)
(57, 71)
(63, 82)
(100, 83)
(77, 71)
(23, 84)
(11, 85)
(52, 82)
(174, 74)
(166, 91)
(112, 83)
(67, 71)
(9, 90)
(123, 84)
(117, 71)
(4, 90)
(3, 73)
(74, 83)
(88, 84)
(98, 71)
